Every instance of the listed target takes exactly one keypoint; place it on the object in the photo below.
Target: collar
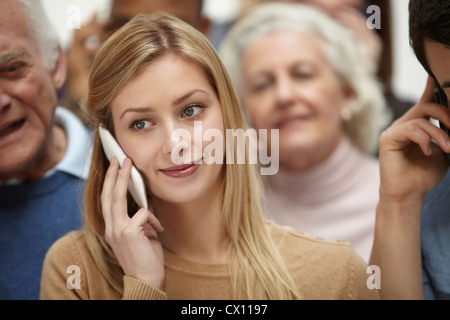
(77, 159)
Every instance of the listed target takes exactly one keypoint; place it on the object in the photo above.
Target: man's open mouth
(12, 127)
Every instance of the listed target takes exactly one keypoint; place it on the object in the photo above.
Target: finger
(421, 132)
(436, 134)
(108, 190)
(427, 110)
(150, 225)
(421, 135)
(119, 201)
(144, 216)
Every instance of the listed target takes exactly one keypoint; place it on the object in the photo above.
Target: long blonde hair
(256, 268)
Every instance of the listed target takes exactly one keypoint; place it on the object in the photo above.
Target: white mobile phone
(136, 185)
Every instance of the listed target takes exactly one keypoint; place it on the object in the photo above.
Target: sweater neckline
(174, 262)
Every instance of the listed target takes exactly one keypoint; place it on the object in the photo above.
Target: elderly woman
(298, 71)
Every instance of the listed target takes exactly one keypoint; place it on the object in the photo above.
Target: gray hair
(347, 55)
(42, 32)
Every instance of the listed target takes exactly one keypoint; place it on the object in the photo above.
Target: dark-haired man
(412, 237)
(430, 39)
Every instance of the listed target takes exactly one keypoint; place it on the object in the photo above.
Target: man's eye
(11, 69)
(192, 110)
(140, 124)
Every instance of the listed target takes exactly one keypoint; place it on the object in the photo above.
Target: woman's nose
(176, 142)
(284, 92)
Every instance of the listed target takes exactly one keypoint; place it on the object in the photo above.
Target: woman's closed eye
(302, 75)
(261, 85)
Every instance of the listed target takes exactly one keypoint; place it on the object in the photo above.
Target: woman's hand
(134, 240)
(410, 163)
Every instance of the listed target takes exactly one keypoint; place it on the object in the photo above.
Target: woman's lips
(181, 171)
(292, 122)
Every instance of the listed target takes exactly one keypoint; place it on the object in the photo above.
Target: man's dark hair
(428, 20)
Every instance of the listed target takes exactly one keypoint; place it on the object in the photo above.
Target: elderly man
(44, 149)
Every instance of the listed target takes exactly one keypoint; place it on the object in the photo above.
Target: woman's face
(290, 85)
(170, 96)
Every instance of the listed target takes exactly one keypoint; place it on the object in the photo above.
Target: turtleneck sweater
(336, 200)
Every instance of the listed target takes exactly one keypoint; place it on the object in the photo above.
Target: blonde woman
(299, 71)
(205, 236)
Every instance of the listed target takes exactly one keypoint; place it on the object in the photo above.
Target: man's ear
(59, 73)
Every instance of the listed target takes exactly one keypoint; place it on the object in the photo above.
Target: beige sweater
(322, 270)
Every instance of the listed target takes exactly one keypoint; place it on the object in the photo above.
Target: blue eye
(192, 110)
(140, 124)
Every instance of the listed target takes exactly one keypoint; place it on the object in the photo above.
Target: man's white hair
(42, 32)
(347, 55)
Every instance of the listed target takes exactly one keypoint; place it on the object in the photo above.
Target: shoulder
(322, 269)
(69, 250)
(71, 243)
(305, 249)
(288, 237)
(435, 237)
(65, 258)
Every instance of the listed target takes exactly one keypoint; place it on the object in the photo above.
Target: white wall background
(409, 77)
